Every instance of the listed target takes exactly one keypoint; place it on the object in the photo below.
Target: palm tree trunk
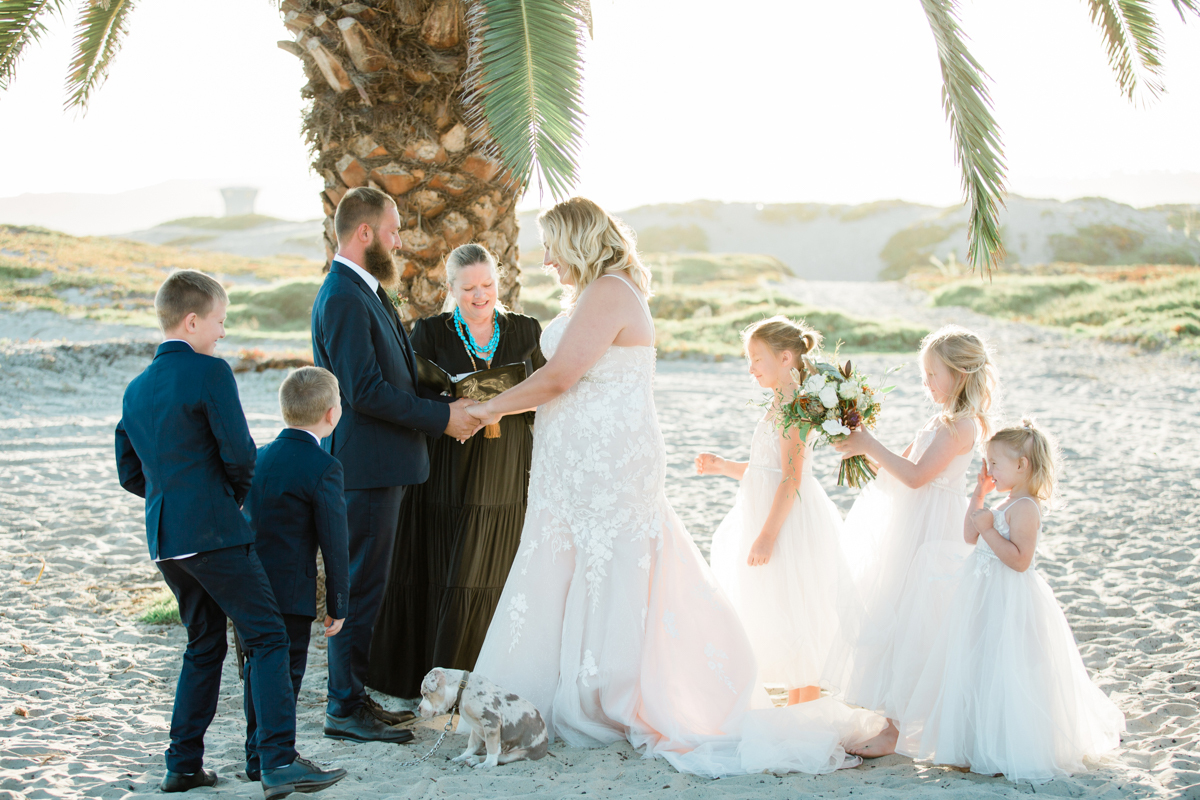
(385, 81)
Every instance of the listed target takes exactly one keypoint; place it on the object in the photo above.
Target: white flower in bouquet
(829, 397)
(832, 414)
(849, 390)
(814, 384)
(834, 427)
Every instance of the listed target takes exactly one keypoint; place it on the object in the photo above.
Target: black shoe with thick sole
(361, 726)
(387, 717)
(301, 775)
(179, 782)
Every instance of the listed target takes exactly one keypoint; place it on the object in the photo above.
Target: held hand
(985, 484)
(856, 444)
(709, 464)
(332, 626)
(483, 414)
(982, 520)
(760, 551)
(462, 424)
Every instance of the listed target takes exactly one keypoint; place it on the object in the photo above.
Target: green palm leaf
(1186, 5)
(21, 25)
(979, 154)
(525, 86)
(1133, 43)
(98, 34)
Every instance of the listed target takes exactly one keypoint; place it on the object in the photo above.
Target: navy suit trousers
(299, 627)
(211, 587)
(372, 516)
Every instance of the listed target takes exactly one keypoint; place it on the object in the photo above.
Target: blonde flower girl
(777, 554)
(1004, 689)
(919, 497)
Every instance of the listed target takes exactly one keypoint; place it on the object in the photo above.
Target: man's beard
(381, 264)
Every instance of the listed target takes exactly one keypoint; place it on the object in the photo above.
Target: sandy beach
(86, 690)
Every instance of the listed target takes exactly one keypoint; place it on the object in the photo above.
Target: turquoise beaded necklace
(485, 352)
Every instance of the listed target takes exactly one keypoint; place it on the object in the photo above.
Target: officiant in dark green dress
(459, 531)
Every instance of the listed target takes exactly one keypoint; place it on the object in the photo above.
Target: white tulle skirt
(884, 532)
(661, 659)
(1004, 689)
(794, 606)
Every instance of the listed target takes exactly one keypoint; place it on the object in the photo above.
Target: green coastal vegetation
(1148, 306)
(702, 300)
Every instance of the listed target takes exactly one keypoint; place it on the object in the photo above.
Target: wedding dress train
(611, 622)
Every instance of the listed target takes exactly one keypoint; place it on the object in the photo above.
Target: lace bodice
(599, 463)
(954, 477)
(987, 560)
(764, 448)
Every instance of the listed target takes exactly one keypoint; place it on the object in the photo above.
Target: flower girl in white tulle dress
(1004, 689)
(919, 497)
(777, 554)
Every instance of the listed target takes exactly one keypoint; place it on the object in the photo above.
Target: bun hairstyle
(468, 255)
(978, 382)
(1029, 441)
(780, 333)
(588, 242)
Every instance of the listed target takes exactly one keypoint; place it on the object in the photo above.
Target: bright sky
(761, 100)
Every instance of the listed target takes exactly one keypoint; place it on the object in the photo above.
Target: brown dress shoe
(383, 715)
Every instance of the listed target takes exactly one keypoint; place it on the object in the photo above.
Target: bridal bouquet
(833, 401)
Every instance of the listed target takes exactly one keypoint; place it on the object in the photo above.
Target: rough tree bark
(385, 81)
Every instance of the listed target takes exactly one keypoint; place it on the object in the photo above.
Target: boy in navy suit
(296, 503)
(183, 444)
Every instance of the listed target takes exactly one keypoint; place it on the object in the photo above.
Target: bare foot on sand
(883, 744)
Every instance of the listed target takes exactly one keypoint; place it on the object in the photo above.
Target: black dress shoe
(361, 726)
(181, 782)
(383, 715)
(253, 774)
(301, 775)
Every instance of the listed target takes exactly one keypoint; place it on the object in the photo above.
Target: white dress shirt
(372, 281)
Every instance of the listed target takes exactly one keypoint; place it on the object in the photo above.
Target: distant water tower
(239, 200)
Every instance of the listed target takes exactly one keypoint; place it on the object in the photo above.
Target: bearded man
(380, 440)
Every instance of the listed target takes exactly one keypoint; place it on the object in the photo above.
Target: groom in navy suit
(380, 440)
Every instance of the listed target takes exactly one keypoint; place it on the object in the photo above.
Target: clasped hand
(855, 443)
(483, 414)
(462, 424)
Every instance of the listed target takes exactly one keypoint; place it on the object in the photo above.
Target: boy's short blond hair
(186, 291)
(306, 396)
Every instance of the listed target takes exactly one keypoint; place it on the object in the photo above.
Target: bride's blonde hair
(589, 242)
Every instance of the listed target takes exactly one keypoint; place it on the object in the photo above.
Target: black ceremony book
(479, 386)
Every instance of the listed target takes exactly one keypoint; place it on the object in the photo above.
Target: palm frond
(978, 151)
(524, 86)
(1132, 40)
(1186, 5)
(98, 34)
(21, 24)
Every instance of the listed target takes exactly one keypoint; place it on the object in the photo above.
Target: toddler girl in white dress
(1004, 689)
(919, 497)
(777, 553)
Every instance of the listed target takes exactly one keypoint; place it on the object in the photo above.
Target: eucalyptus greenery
(524, 83)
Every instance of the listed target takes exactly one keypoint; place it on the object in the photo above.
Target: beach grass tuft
(1151, 307)
(163, 610)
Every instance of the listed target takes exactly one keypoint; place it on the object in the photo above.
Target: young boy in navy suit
(296, 504)
(183, 444)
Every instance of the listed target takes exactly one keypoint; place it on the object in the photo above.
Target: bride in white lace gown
(611, 622)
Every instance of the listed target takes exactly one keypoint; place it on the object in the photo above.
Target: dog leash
(462, 684)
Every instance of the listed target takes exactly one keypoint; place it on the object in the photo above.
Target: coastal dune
(86, 690)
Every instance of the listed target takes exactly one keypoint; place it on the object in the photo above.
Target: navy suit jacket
(380, 439)
(183, 444)
(296, 503)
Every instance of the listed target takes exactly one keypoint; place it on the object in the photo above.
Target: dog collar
(462, 684)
